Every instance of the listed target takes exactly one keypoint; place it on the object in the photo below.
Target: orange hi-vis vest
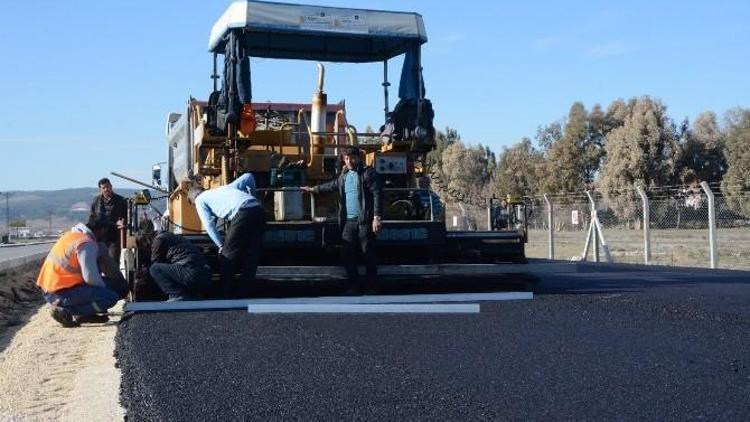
(61, 269)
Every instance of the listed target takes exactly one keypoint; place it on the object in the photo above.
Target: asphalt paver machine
(287, 145)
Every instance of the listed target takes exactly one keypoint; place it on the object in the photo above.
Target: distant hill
(61, 207)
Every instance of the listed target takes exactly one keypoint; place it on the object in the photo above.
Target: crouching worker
(71, 279)
(177, 266)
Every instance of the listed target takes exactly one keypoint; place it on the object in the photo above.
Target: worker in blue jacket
(240, 249)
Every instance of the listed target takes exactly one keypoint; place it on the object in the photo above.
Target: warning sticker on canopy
(317, 20)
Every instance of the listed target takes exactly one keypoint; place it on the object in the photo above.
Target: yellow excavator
(287, 145)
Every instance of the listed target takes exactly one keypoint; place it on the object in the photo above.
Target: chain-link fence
(679, 229)
(733, 231)
(570, 222)
(463, 216)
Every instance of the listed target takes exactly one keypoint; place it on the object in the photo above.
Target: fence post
(464, 219)
(593, 218)
(646, 225)
(711, 225)
(489, 215)
(551, 228)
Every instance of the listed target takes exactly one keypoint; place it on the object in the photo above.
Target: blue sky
(87, 85)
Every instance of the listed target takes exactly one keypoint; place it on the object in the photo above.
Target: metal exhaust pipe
(318, 114)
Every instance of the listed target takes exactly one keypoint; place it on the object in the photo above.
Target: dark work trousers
(355, 239)
(182, 281)
(113, 250)
(85, 300)
(241, 251)
(112, 240)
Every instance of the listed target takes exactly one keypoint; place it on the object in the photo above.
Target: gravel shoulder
(48, 372)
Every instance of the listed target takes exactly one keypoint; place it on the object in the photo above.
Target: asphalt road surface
(8, 253)
(608, 342)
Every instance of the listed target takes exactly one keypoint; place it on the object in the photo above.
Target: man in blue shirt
(235, 204)
(360, 210)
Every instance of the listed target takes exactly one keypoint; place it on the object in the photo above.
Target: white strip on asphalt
(383, 308)
(375, 299)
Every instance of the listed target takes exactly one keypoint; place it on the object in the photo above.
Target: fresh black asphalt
(607, 342)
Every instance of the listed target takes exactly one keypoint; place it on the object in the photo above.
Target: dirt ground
(48, 372)
(18, 295)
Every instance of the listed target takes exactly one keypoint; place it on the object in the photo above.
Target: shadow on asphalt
(603, 278)
(395, 286)
(580, 279)
(387, 286)
(588, 278)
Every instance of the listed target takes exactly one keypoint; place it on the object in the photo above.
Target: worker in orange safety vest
(71, 279)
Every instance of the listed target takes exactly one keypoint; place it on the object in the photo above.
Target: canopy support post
(214, 76)
(386, 84)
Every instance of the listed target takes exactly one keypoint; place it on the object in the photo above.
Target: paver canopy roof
(295, 31)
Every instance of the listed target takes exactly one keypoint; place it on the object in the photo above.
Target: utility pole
(7, 215)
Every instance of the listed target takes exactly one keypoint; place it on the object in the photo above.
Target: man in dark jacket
(177, 266)
(360, 210)
(114, 209)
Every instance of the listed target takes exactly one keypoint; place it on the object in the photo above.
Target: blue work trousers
(85, 300)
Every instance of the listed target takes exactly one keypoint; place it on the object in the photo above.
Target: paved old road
(9, 253)
(612, 342)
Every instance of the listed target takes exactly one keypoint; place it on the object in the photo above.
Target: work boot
(64, 317)
(92, 319)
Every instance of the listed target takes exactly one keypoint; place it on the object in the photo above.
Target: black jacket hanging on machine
(236, 88)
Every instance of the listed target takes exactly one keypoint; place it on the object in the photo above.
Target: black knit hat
(351, 151)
